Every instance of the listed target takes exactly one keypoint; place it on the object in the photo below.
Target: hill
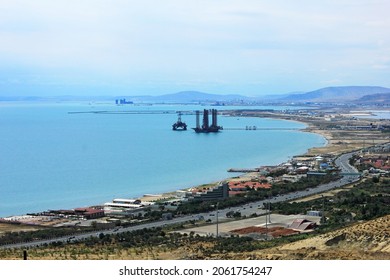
(190, 97)
(355, 94)
(336, 94)
(380, 98)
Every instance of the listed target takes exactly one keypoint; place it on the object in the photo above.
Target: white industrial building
(122, 206)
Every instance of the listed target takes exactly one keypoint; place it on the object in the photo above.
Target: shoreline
(334, 146)
(308, 125)
(160, 193)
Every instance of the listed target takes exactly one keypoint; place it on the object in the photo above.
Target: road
(342, 162)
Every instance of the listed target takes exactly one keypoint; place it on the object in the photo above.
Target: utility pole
(269, 210)
(217, 219)
(266, 226)
(323, 210)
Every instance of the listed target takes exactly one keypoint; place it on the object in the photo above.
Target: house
(89, 213)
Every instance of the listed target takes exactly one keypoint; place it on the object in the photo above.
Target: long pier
(243, 170)
(129, 112)
(163, 112)
(261, 128)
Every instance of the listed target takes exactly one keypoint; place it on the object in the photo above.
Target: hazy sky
(249, 47)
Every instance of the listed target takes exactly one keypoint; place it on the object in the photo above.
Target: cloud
(143, 42)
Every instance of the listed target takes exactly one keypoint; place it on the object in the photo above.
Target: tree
(237, 214)
(230, 214)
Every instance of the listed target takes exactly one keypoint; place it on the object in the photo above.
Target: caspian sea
(53, 159)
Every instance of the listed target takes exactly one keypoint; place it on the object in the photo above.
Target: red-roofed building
(242, 187)
(378, 163)
(89, 213)
(386, 167)
(248, 185)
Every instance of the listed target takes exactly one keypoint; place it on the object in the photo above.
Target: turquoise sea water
(50, 159)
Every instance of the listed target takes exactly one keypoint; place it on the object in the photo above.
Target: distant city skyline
(248, 47)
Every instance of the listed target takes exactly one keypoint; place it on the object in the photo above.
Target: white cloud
(185, 41)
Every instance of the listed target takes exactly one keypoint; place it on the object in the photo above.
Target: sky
(145, 47)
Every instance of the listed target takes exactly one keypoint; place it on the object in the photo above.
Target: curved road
(342, 162)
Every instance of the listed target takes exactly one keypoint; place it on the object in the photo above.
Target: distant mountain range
(190, 97)
(358, 94)
(380, 98)
(339, 94)
(353, 94)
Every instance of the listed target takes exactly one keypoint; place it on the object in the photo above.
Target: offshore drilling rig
(206, 128)
(179, 125)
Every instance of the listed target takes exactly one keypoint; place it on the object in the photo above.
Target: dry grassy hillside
(362, 241)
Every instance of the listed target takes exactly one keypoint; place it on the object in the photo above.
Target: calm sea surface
(50, 159)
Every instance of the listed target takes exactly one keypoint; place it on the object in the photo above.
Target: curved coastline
(309, 128)
(174, 189)
(306, 129)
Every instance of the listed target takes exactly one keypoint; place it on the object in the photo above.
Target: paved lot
(225, 227)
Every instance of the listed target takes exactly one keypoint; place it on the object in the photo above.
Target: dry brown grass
(5, 227)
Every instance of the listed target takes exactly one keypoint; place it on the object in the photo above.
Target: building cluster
(378, 149)
(264, 177)
(122, 101)
(374, 160)
(57, 217)
(84, 213)
(241, 187)
(298, 168)
(374, 164)
(361, 127)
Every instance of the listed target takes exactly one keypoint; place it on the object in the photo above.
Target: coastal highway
(342, 162)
